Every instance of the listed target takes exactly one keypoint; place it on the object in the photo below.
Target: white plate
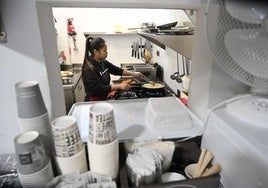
(172, 176)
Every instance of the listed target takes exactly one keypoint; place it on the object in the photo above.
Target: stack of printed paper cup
(33, 164)
(103, 150)
(32, 114)
(70, 151)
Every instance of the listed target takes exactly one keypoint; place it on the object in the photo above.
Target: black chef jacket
(97, 83)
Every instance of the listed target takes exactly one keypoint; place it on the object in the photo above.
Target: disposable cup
(76, 163)
(66, 136)
(41, 123)
(37, 179)
(102, 128)
(30, 152)
(104, 159)
(35, 119)
(30, 102)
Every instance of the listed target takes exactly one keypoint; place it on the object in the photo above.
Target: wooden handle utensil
(212, 170)
(199, 164)
(207, 159)
(203, 161)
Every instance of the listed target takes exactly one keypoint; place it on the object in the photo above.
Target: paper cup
(37, 179)
(30, 152)
(66, 136)
(76, 163)
(30, 102)
(189, 170)
(104, 159)
(102, 128)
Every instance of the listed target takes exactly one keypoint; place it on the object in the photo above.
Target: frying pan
(148, 87)
(167, 26)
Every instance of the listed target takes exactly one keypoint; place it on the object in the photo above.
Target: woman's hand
(138, 74)
(130, 73)
(120, 86)
(125, 86)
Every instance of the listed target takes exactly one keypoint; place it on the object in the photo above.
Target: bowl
(172, 176)
(189, 170)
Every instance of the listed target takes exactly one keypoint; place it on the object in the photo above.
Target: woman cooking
(96, 71)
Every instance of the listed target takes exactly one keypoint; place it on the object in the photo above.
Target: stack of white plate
(70, 151)
(33, 116)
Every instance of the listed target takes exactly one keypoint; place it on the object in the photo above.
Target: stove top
(137, 93)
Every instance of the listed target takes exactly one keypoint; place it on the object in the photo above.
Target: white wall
(21, 59)
(104, 20)
(168, 60)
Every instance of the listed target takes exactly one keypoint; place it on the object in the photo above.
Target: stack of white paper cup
(32, 114)
(70, 151)
(33, 164)
(103, 150)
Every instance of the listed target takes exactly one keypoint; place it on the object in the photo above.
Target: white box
(244, 158)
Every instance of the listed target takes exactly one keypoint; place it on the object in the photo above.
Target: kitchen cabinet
(182, 44)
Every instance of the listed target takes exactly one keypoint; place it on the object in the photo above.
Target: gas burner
(125, 95)
(155, 94)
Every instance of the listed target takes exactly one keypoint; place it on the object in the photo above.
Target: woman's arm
(120, 86)
(130, 73)
(119, 71)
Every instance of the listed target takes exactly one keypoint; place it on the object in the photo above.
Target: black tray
(185, 153)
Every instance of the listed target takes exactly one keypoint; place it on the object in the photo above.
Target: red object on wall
(184, 101)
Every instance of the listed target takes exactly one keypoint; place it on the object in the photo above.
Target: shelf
(182, 44)
(86, 34)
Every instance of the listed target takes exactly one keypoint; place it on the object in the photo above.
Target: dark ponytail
(91, 45)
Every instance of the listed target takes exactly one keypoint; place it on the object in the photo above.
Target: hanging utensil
(186, 77)
(133, 49)
(138, 50)
(183, 66)
(140, 46)
(177, 75)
